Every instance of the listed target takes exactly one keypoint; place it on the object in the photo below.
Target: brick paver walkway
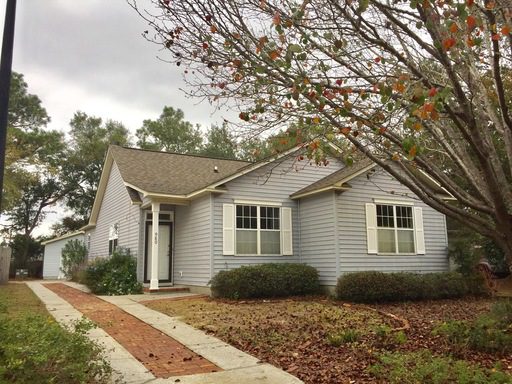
(160, 354)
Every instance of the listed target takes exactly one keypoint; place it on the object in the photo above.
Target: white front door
(164, 252)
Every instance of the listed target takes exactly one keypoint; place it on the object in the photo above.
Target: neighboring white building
(52, 261)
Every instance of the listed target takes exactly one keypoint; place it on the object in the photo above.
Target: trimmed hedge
(266, 280)
(373, 286)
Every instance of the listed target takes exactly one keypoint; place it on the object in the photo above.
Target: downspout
(299, 230)
(211, 235)
(336, 237)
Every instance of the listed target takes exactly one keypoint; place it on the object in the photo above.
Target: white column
(153, 285)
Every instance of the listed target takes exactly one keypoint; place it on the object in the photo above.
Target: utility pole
(5, 83)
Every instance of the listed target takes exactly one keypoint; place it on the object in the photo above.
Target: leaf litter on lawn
(294, 333)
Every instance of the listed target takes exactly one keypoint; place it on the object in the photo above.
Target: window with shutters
(395, 229)
(258, 230)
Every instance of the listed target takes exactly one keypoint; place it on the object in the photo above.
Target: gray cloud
(95, 56)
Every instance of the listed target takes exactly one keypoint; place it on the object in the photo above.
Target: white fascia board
(63, 237)
(102, 186)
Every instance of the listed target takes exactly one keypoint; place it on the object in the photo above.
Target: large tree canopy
(418, 86)
(89, 139)
(170, 133)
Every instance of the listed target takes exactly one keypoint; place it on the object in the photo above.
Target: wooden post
(5, 261)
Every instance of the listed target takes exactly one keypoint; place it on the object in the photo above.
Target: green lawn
(34, 348)
(18, 300)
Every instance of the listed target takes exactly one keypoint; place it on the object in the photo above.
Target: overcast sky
(90, 55)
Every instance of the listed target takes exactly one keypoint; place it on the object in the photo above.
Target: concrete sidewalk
(238, 366)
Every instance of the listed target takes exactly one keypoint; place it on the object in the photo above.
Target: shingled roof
(336, 180)
(171, 173)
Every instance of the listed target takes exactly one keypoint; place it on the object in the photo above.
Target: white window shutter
(286, 231)
(228, 229)
(418, 231)
(371, 227)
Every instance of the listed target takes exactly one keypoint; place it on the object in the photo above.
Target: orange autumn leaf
(316, 120)
(471, 22)
(213, 29)
(505, 30)
(495, 37)
(399, 87)
(428, 107)
(470, 3)
(345, 130)
(454, 28)
(273, 54)
(448, 43)
(413, 151)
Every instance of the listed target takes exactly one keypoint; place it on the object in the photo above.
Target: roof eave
(320, 190)
(66, 236)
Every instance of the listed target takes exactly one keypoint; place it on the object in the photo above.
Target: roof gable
(170, 173)
(336, 180)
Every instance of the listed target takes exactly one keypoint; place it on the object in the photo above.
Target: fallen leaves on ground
(293, 334)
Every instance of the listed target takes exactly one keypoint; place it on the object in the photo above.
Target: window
(258, 230)
(395, 229)
(113, 236)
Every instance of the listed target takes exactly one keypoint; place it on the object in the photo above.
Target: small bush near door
(115, 275)
(266, 280)
(374, 287)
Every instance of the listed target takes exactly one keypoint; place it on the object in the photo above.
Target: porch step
(166, 290)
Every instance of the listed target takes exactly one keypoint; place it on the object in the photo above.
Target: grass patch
(18, 300)
(422, 367)
(35, 349)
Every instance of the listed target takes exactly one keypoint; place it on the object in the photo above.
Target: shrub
(266, 280)
(422, 367)
(372, 286)
(115, 275)
(35, 349)
(74, 256)
(491, 332)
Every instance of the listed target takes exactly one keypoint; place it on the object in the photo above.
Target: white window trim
(258, 203)
(393, 202)
(396, 229)
(170, 213)
(258, 229)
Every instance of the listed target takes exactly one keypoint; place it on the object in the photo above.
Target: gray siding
(116, 207)
(317, 235)
(192, 245)
(52, 257)
(274, 182)
(352, 229)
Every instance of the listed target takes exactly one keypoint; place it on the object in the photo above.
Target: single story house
(187, 217)
(52, 259)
